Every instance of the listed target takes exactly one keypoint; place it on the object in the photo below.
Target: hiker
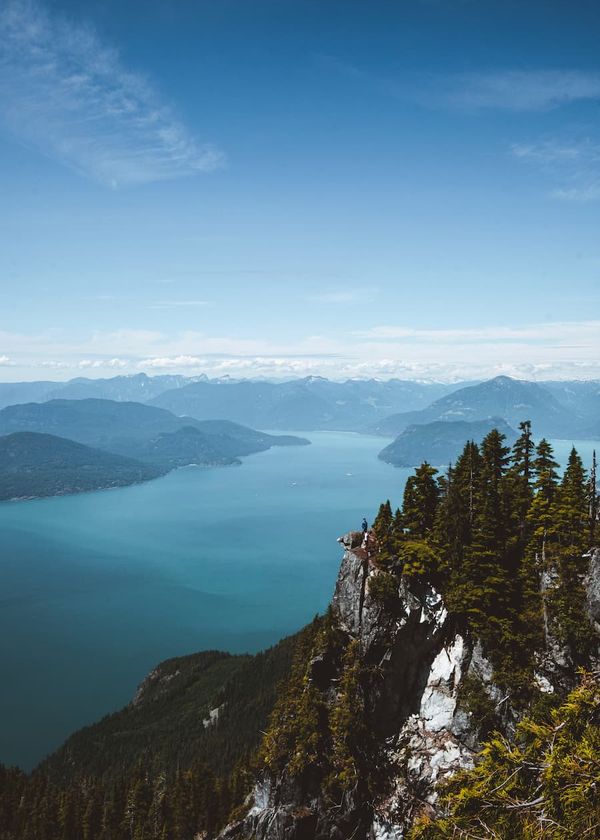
(365, 525)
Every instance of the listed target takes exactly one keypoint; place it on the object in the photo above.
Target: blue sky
(279, 188)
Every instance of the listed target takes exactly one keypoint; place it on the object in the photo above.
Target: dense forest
(491, 534)
(35, 465)
(503, 535)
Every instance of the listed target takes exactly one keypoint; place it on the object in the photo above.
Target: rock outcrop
(593, 589)
(427, 674)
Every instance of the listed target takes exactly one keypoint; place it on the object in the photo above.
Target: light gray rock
(593, 588)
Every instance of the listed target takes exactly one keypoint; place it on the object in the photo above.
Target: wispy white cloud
(172, 362)
(69, 95)
(5, 361)
(518, 90)
(85, 364)
(503, 89)
(553, 332)
(558, 151)
(54, 364)
(581, 194)
(572, 163)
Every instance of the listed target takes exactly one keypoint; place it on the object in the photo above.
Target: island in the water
(440, 442)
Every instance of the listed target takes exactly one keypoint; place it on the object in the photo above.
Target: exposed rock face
(424, 665)
(555, 664)
(593, 589)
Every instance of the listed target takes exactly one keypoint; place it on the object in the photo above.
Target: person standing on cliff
(365, 525)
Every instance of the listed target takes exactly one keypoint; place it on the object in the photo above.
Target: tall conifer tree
(421, 496)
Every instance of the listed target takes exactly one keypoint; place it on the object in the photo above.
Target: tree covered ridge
(504, 539)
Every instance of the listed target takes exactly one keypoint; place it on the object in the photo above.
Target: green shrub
(383, 589)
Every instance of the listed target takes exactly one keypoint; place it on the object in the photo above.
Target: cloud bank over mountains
(558, 350)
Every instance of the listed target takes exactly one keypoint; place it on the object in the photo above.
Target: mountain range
(65, 446)
(309, 403)
(556, 409)
(165, 422)
(560, 410)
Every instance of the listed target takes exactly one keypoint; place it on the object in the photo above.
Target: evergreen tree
(492, 520)
(457, 508)
(421, 496)
(545, 486)
(519, 481)
(567, 541)
(523, 451)
(384, 533)
(545, 470)
(383, 521)
(570, 513)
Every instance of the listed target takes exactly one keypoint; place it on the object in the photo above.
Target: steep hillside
(510, 399)
(440, 442)
(33, 464)
(208, 707)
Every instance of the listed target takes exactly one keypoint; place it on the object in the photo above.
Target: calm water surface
(96, 589)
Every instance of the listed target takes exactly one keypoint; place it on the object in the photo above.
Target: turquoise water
(98, 588)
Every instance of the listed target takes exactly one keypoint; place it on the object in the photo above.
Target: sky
(282, 187)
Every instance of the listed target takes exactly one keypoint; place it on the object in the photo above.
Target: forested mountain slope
(34, 464)
(168, 724)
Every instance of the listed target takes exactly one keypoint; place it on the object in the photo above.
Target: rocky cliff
(425, 696)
